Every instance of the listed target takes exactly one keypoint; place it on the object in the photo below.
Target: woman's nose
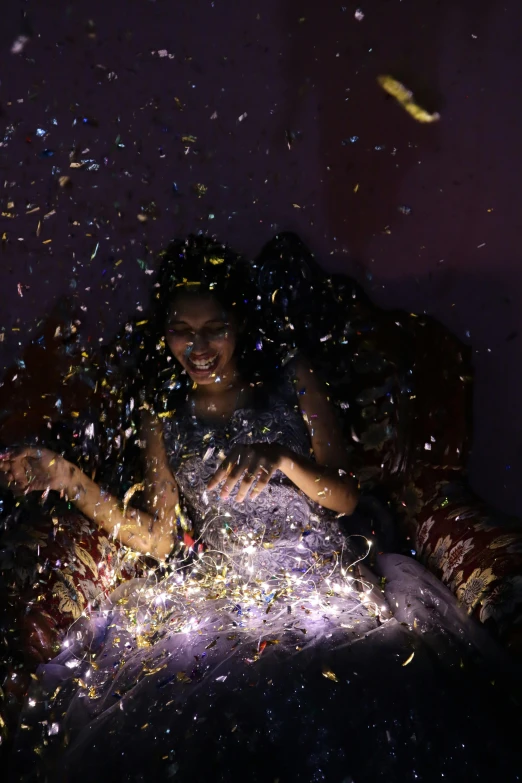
(199, 344)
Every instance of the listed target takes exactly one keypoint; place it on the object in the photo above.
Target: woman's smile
(202, 366)
(202, 338)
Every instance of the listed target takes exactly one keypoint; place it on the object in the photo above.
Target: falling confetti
(409, 659)
(330, 675)
(405, 98)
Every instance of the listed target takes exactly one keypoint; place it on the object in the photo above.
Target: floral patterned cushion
(475, 551)
(56, 565)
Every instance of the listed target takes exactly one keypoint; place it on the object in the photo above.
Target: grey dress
(265, 662)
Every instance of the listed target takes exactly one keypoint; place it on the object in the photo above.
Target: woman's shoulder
(290, 377)
(296, 369)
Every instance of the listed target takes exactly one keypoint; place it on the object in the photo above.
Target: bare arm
(134, 528)
(152, 532)
(327, 480)
(161, 490)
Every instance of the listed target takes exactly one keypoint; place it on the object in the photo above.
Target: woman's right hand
(28, 469)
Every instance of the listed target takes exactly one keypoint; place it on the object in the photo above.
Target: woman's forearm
(331, 488)
(131, 527)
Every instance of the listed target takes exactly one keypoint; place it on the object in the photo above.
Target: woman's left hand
(29, 469)
(250, 466)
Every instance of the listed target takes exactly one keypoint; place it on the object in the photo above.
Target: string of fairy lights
(183, 599)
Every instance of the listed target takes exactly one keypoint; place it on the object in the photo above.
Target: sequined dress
(265, 661)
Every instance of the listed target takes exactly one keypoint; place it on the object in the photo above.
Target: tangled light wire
(229, 583)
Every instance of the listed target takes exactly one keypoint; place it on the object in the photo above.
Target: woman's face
(201, 337)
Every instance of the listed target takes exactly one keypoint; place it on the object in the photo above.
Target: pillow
(55, 565)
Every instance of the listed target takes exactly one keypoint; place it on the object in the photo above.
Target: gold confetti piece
(199, 189)
(405, 98)
(139, 487)
(356, 188)
(188, 282)
(155, 671)
(215, 260)
(330, 675)
(408, 660)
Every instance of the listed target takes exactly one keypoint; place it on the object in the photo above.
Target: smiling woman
(202, 339)
(205, 315)
(260, 632)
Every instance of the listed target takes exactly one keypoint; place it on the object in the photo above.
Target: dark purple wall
(239, 76)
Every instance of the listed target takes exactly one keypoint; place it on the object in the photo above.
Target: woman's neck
(219, 406)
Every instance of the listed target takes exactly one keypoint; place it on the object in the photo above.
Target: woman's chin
(203, 379)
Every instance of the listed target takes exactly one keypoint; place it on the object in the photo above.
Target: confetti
(409, 659)
(405, 98)
(330, 675)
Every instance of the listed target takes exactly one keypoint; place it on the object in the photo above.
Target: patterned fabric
(476, 552)
(55, 565)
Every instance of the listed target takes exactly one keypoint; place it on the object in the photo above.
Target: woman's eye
(216, 331)
(208, 332)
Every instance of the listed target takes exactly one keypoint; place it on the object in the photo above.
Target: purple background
(264, 70)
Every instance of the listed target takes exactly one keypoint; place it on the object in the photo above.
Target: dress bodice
(282, 527)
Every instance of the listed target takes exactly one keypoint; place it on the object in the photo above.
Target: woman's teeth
(202, 364)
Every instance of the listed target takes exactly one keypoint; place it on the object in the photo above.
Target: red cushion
(60, 566)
